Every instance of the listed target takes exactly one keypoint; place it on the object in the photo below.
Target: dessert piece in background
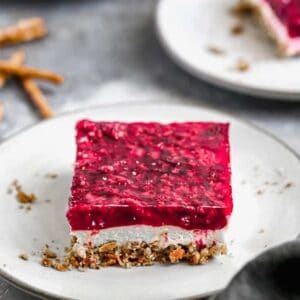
(149, 192)
(281, 19)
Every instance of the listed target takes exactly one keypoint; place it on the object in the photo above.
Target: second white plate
(188, 28)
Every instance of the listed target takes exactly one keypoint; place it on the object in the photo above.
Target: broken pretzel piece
(35, 94)
(24, 71)
(16, 59)
(24, 31)
(37, 97)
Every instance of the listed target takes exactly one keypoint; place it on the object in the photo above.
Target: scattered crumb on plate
(215, 50)
(21, 196)
(49, 253)
(51, 175)
(273, 183)
(241, 9)
(259, 192)
(288, 185)
(237, 29)
(50, 259)
(23, 256)
(242, 66)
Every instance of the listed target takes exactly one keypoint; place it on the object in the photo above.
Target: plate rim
(240, 87)
(4, 275)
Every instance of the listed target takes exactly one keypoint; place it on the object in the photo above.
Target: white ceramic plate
(187, 28)
(266, 213)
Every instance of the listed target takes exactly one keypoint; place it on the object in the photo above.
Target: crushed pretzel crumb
(259, 192)
(241, 9)
(176, 255)
(21, 196)
(127, 255)
(1, 111)
(23, 256)
(288, 185)
(49, 253)
(237, 29)
(242, 66)
(25, 198)
(51, 175)
(24, 31)
(215, 50)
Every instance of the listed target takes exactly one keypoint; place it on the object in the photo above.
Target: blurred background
(108, 52)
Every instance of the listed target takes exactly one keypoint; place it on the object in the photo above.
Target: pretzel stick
(37, 97)
(16, 59)
(24, 31)
(1, 111)
(35, 93)
(23, 71)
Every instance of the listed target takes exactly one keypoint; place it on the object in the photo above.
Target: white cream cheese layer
(165, 235)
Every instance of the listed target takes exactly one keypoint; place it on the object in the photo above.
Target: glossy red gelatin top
(288, 11)
(148, 173)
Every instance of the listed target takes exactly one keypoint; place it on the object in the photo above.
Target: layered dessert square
(149, 192)
(281, 19)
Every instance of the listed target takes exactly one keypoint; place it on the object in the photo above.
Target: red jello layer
(152, 174)
(288, 12)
